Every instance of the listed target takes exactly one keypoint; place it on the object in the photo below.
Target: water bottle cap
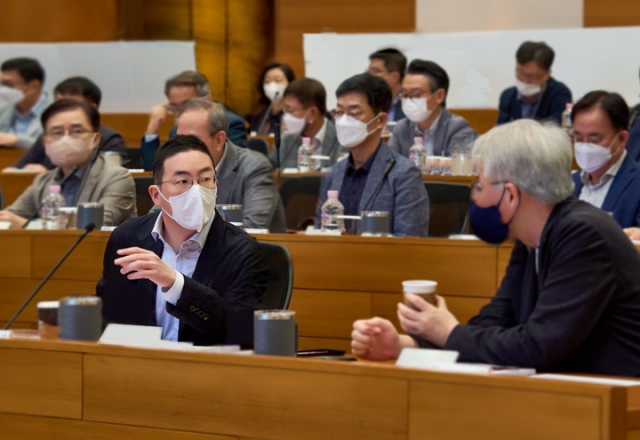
(569, 105)
(306, 140)
(417, 140)
(54, 188)
(332, 194)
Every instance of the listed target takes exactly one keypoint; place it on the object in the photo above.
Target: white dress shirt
(184, 263)
(595, 194)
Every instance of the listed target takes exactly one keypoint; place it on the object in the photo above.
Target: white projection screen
(482, 64)
(130, 74)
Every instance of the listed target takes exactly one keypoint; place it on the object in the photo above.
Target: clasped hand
(140, 263)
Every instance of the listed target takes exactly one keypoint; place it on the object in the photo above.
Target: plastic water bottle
(567, 125)
(50, 212)
(304, 156)
(332, 208)
(417, 153)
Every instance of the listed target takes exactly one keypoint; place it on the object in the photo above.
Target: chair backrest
(280, 283)
(143, 199)
(300, 200)
(448, 208)
(259, 145)
(134, 163)
(1, 199)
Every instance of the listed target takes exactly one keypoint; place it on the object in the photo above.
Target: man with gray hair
(244, 176)
(570, 298)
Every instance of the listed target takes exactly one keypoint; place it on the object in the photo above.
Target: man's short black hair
(68, 104)
(177, 144)
(288, 73)
(393, 59)
(612, 104)
(28, 68)
(539, 52)
(309, 92)
(438, 78)
(80, 86)
(376, 90)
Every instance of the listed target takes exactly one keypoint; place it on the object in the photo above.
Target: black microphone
(90, 227)
(267, 113)
(66, 177)
(535, 110)
(390, 164)
(85, 176)
(276, 144)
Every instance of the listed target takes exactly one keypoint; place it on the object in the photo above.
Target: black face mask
(486, 222)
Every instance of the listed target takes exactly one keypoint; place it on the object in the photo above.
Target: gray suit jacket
(451, 131)
(108, 184)
(402, 195)
(291, 142)
(26, 140)
(246, 178)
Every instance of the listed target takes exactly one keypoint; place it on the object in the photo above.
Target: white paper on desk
(584, 379)
(313, 231)
(426, 358)
(5, 225)
(636, 242)
(124, 334)
(290, 171)
(20, 171)
(256, 231)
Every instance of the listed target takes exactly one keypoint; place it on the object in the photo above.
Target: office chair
(143, 199)
(448, 208)
(300, 200)
(280, 282)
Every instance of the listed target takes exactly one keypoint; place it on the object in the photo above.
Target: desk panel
(15, 252)
(9, 156)
(317, 404)
(40, 383)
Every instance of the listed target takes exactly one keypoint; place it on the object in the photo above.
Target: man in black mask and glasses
(570, 298)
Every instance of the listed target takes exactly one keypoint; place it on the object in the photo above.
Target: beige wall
(488, 15)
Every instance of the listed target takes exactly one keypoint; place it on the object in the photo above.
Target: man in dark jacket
(536, 94)
(570, 298)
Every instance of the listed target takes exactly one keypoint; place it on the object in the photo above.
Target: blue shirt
(353, 185)
(71, 187)
(392, 110)
(21, 123)
(527, 107)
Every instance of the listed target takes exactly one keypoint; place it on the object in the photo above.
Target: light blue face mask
(487, 224)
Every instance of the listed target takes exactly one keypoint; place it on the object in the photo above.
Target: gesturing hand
(140, 263)
(434, 324)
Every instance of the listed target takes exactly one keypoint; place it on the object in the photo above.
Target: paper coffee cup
(48, 319)
(423, 288)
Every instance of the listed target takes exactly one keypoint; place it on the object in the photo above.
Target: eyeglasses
(476, 187)
(175, 108)
(414, 94)
(76, 133)
(184, 182)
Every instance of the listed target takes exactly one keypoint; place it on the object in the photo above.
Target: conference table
(78, 391)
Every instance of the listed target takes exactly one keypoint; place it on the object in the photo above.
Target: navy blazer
(217, 302)
(399, 114)
(623, 198)
(633, 144)
(402, 195)
(552, 103)
(573, 306)
(237, 134)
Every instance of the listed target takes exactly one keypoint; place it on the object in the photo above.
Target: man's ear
(155, 194)
(396, 79)
(440, 96)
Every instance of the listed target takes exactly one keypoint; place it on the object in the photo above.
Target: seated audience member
(184, 269)
(424, 101)
(244, 176)
(82, 90)
(633, 144)
(536, 94)
(179, 89)
(570, 298)
(373, 177)
(71, 135)
(274, 79)
(610, 178)
(390, 64)
(305, 105)
(22, 101)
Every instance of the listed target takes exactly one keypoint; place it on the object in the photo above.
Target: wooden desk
(464, 180)
(14, 184)
(9, 156)
(81, 390)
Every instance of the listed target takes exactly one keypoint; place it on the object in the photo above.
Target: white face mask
(274, 90)
(416, 110)
(193, 208)
(11, 95)
(294, 125)
(351, 131)
(527, 89)
(68, 151)
(592, 157)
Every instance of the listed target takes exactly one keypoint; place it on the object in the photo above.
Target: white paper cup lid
(419, 286)
(48, 304)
